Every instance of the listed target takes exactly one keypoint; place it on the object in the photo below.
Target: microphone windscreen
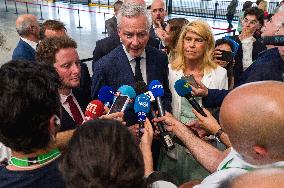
(127, 90)
(106, 94)
(140, 87)
(277, 40)
(94, 109)
(182, 87)
(156, 88)
(236, 45)
(142, 104)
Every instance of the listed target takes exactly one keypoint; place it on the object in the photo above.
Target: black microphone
(156, 91)
(183, 89)
(277, 40)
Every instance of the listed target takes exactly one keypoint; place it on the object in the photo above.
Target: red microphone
(94, 110)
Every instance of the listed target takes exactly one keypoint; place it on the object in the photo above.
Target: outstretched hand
(201, 91)
(209, 122)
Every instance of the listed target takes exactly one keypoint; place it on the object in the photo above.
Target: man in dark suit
(53, 28)
(268, 66)
(111, 24)
(158, 13)
(121, 66)
(61, 53)
(133, 61)
(106, 45)
(28, 29)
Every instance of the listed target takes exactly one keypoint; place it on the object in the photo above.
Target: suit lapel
(124, 65)
(67, 121)
(149, 67)
(28, 47)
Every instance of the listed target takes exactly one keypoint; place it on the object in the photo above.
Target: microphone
(277, 40)
(106, 95)
(141, 108)
(127, 90)
(94, 110)
(156, 89)
(183, 89)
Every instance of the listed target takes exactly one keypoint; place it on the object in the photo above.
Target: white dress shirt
(247, 45)
(133, 63)
(31, 43)
(66, 106)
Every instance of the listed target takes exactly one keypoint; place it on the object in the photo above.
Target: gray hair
(131, 10)
(23, 28)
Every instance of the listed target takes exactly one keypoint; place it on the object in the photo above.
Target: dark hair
(259, 14)
(103, 153)
(247, 5)
(28, 99)
(221, 41)
(176, 25)
(258, 2)
(48, 48)
(117, 5)
(230, 65)
(51, 25)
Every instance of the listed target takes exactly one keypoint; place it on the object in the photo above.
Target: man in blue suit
(28, 29)
(133, 60)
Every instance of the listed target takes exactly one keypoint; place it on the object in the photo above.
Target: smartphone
(190, 79)
(119, 104)
(226, 56)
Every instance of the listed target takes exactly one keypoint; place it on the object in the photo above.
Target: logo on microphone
(186, 85)
(142, 101)
(92, 108)
(157, 87)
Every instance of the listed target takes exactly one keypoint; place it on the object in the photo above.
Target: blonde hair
(263, 5)
(202, 29)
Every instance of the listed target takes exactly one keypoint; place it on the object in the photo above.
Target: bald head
(135, 1)
(27, 26)
(272, 178)
(252, 116)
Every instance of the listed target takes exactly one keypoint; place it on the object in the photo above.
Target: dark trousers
(230, 18)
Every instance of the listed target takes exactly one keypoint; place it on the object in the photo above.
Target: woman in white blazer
(194, 56)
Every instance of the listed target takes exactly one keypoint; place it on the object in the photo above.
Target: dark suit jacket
(114, 70)
(111, 26)
(238, 67)
(268, 66)
(23, 51)
(85, 81)
(67, 121)
(106, 45)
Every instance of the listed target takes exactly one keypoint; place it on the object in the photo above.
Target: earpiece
(57, 121)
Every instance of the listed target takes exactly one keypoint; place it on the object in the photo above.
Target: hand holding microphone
(183, 89)
(157, 90)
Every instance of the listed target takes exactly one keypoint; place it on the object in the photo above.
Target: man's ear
(261, 151)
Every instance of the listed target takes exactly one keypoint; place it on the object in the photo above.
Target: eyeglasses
(251, 22)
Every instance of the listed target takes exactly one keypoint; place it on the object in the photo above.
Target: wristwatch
(217, 135)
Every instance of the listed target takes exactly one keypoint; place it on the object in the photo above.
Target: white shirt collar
(130, 57)
(31, 43)
(63, 98)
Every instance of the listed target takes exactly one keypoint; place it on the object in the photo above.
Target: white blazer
(216, 79)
